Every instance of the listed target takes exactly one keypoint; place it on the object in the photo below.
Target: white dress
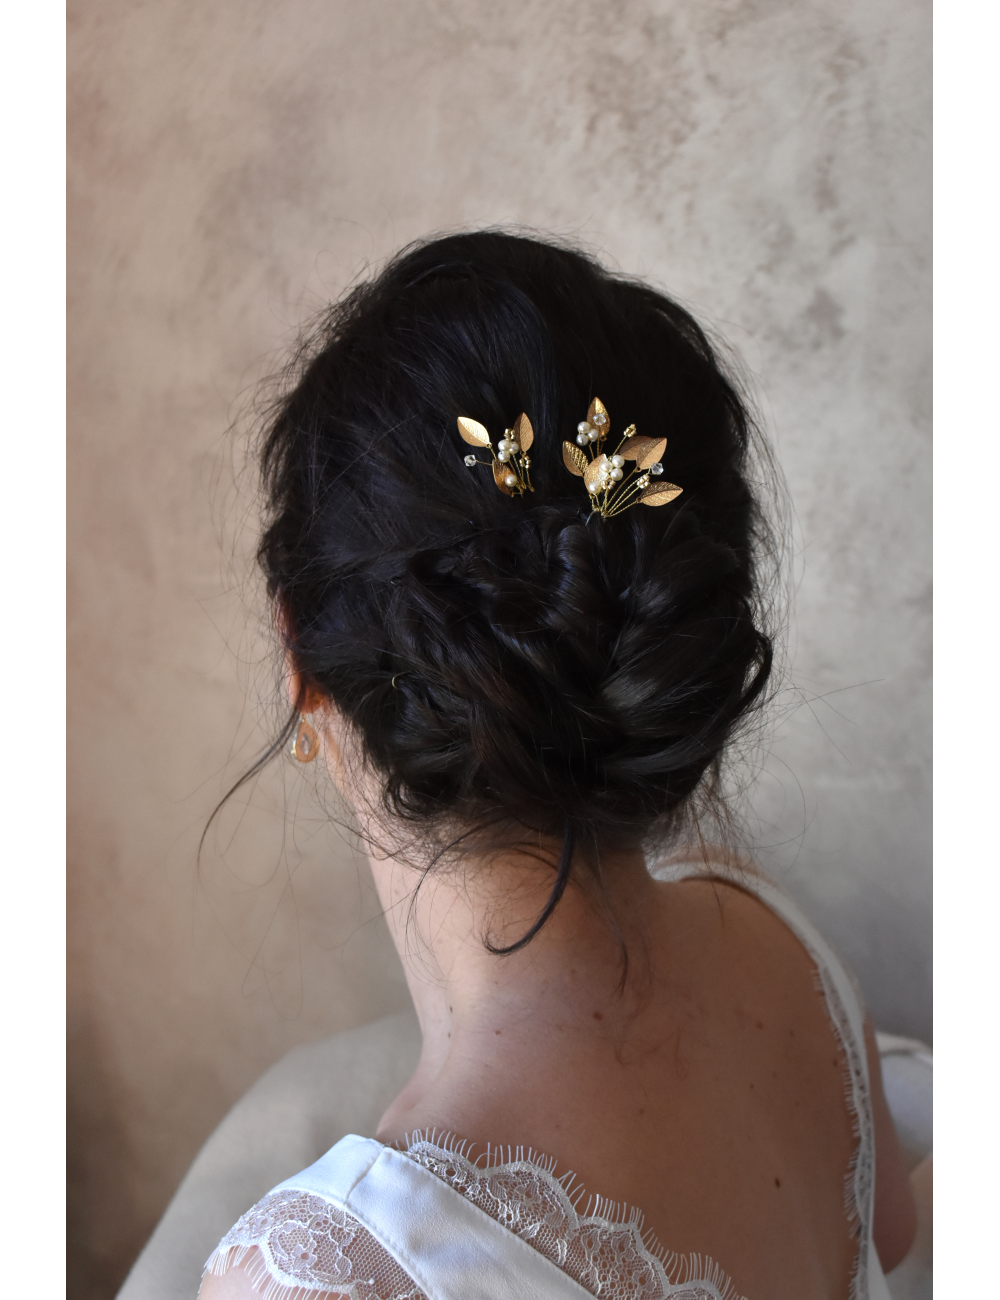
(372, 1222)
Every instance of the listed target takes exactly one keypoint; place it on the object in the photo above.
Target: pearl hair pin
(510, 460)
(611, 487)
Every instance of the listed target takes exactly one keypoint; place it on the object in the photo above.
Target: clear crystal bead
(656, 469)
(470, 461)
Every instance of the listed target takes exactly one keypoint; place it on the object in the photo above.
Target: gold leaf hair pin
(610, 487)
(510, 460)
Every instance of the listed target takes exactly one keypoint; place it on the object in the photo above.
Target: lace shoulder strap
(846, 1011)
(449, 1247)
(345, 1228)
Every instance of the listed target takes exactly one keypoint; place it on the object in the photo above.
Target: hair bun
(516, 662)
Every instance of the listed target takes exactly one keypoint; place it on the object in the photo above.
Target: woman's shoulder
(734, 912)
(302, 1237)
(728, 920)
(299, 1109)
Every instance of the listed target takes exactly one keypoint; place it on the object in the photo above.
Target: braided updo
(517, 664)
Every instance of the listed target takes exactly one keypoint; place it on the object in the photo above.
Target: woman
(522, 636)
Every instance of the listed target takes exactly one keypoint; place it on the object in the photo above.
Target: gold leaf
(597, 407)
(473, 432)
(651, 454)
(633, 448)
(574, 459)
(523, 432)
(500, 472)
(659, 494)
(592, 474)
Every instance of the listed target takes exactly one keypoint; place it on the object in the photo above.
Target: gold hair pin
(610, 487)
(510, 460)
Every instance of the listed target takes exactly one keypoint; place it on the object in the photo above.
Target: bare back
(729, 1126)
(715, 1104)
(720, 1102)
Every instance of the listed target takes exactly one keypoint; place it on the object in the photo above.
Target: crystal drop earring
(305, 746)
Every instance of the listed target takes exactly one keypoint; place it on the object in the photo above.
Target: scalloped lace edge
(673, 1271)
(262, 1275)
(607, 1226)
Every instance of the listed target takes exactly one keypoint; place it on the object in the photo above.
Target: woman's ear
(307, 699)
(302, 698)
(293, 680)
(298, 696)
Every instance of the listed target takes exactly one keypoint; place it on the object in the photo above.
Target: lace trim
(859, 1181)
(604, 1248)
(294, 1245)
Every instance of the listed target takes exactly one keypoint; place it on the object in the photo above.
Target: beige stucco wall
(233, 165)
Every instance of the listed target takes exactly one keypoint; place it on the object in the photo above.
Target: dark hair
(521, 665)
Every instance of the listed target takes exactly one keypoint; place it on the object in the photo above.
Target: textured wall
(233, 166)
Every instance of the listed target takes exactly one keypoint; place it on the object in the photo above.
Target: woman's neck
(485, 1016)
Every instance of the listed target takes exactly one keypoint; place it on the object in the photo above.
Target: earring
(305, 746)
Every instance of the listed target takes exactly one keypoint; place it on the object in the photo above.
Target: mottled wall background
(236, 164)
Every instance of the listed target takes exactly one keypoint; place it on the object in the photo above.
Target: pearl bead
(593, 489)
(582, 439)
(618, 461)
(503, 454)
(644, 481)
(656, 469)
(512, 446)
(583, 427)
(510, 480)
(503, 445)
(593, 435)
(616, 473)
(470, 461)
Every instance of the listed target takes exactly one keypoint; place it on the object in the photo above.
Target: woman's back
(719, 1111)
(717, 1100)
(717, 1107)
